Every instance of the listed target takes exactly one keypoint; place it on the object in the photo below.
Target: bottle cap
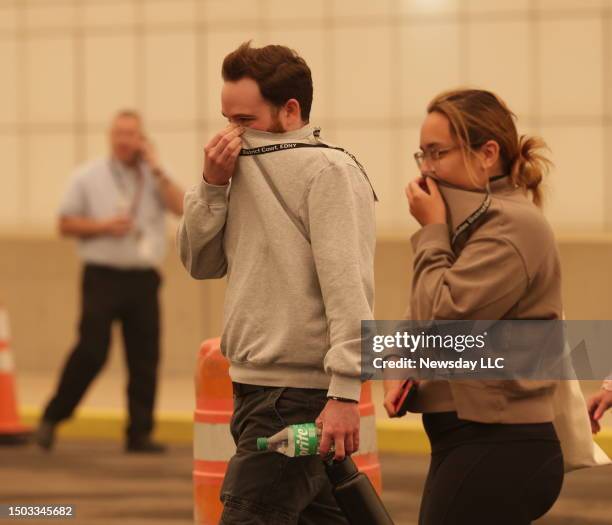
(262, 443)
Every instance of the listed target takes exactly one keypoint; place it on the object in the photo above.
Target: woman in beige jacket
(485, 251)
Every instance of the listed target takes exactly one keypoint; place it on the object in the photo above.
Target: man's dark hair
(280, 73)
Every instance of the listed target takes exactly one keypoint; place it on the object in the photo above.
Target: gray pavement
(109, 487)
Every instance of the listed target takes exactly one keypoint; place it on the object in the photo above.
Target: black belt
(242, 389)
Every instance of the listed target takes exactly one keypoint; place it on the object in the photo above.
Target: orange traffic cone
(12, 432)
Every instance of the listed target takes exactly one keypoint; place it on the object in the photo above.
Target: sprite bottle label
(304, 439)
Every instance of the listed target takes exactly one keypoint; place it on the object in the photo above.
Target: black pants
(108, 294)
(483, 474)
(267, 488)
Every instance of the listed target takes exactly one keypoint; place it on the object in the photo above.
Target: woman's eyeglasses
(434, 155)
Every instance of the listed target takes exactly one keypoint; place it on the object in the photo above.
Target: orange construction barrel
(213, 445)
(366, 458)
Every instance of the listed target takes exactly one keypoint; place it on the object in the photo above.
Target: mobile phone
(407, 395)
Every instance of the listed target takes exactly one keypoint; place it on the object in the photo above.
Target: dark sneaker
(144, 446)
(44, 436)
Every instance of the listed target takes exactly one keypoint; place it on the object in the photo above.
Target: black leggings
(489, 473)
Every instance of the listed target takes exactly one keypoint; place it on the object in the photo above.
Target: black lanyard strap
(284, 146)
(482, 209)
(467, 223)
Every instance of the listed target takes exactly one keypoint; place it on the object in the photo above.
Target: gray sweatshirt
(299, 272)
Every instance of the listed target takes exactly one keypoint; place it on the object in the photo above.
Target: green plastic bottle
(293, 441)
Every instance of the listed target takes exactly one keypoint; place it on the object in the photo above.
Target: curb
(90, 423)
(394, 436)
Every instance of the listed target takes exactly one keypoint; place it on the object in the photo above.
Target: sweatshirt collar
(297, 134)
(461, 203)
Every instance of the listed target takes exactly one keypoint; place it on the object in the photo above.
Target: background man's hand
(220, 155)
(117, 226)
(339, 423)
(597, 405)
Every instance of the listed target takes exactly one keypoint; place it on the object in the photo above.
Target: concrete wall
(39, 279)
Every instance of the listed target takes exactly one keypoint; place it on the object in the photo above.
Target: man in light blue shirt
(115, 207)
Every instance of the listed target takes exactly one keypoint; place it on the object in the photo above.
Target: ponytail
(530, 166)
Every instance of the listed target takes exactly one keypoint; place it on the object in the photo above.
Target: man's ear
(293, 110)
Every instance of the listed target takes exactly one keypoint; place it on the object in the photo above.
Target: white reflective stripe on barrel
(367, 435)
(214, 442)
(7, 365)
(5, 330)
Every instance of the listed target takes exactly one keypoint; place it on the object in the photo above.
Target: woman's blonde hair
(477, 116)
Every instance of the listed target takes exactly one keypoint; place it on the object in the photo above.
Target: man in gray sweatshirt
(290, 221)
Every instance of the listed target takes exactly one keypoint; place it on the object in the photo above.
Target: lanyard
(123, 189)
(477, 214)
(467, 223)
(273, 148)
